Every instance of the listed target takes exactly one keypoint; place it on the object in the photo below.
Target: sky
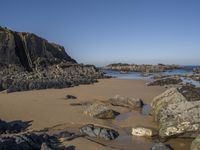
(109, 31)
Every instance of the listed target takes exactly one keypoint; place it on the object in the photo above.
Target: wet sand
(50, 109)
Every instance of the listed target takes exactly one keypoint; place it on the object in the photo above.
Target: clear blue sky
(107, 31)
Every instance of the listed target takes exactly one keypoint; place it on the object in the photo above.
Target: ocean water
(139, 75)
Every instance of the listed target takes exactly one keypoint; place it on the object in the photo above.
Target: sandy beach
(50, 109)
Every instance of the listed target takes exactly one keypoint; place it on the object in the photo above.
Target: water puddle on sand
(124, 116)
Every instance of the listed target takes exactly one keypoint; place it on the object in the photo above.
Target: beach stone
(100, 111)
(195, 144)
(99, 132)
(176, 115)
(132, 103)
(142, 131)
(165, 81)
(71, 97)
(161, 146)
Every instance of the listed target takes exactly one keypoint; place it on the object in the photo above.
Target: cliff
(28, 62)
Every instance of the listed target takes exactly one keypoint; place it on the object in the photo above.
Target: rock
(126, 102)
(100, 111)
(195, 144)
(71, 97)
(19, 142)
(190, 92)
(30, 62)
(44, 146)
(99, 132)
(13, 126)
(176, 115)
(141, 68)
(161, 146)
(196, 70)
(142, 131)
(165, 81)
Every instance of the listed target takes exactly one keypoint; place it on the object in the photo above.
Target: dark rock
(161, 146)
(71, 97)
(30, 62)
(141, 68)
(190, 92)
(13, 126)
(99, 132)
(165, 81)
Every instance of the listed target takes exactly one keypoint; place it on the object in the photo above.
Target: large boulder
(176, 115)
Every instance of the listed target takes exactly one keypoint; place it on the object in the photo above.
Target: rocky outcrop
(29, 141)
(176, 114)
(30, 62)
(165, 81)
(141, 68)
(196, 70)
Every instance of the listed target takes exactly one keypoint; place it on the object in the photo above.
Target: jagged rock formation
(31, 62)
(141, 68)
(176, 113)
(165, 81)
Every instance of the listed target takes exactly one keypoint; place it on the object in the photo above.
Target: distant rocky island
(141, 68)
(28, 62)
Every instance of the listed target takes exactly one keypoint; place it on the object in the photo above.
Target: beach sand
(50, 109)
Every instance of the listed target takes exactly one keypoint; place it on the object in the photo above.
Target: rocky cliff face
(31, 62)
(28, 50)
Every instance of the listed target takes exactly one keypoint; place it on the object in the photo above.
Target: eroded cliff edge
(28, 62)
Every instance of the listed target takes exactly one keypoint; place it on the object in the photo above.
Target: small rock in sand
(100, 111)
(71, 97)
(141, 131)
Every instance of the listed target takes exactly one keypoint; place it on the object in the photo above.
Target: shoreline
(49, 107)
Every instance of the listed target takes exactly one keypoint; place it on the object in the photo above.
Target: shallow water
(141, 76)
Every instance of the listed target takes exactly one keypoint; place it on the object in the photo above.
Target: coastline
(49, 108)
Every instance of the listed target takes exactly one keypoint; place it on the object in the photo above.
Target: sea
(185, 70)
